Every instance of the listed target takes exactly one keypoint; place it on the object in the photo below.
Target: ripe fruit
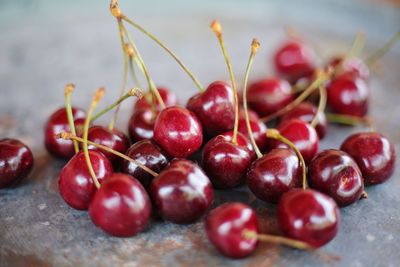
(145, 102)
(141, 125)
(353, 65)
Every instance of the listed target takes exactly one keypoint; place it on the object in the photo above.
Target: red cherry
(226, 226)
(145, 102)
(294, 60)
(353, 65)
(273, 174)
(374, 154)
(75, 182)
(16, 161)
(182, 193)
(308, 216)
(57, 123)
(258, 128)
(348, 95)
(269, 95)
(147, 153)
(178, 132)
(335, 173)
(215, 107)
(141, 125)
(121, 207)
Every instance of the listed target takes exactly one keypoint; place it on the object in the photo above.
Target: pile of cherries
(123, 185)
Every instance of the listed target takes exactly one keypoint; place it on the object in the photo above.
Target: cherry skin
(374, 154)
(269, 95)
(306, 112)
(301, 134)
(16, 161)
(147, 153)
(336, 174)
(121, 207)
(349, 95)
(258, 128)
(114, 139)
(178, 132)
(308, 216)
(141, 125)
(145, 102)
(353, 65)
(75, 182)
(273, 174)
(294, 60)
(226, 226)
(225, 162)
(57, 123)
(215, 107)
(181, 193)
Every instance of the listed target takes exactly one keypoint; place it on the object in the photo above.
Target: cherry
(258, 129)
(336, 174)
(294, 60)
(57, 123)
(309, 216)
(141, 125)
(121, 207)
(306, 111)
(16, 161)
(215, 108)
(75, 182)
(178, 132)
(374, 154)
(182, 193)
(353, 65)
(273, 174)
(150, 155)
(269, 95)
(145, 102)
(348, 95)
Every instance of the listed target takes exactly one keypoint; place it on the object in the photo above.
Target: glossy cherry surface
(182, 193)
(226, 226)
(147, 153)
(75, 183)
(374, 154)
(258, 128)
(57, 123)
(336, 174)
(16, 161)
(273, 174)
(178, 132)
(353, 65)
(215, 107)
(308, 216)
(121, 207)
(167, 96)
(141, 125)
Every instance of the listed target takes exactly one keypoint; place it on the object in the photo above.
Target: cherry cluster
(268, 139)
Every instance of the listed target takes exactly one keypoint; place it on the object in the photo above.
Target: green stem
(357, 46)
(383, 50)
(278, 240)
(321, 106)
(69, 88)
(133, 73)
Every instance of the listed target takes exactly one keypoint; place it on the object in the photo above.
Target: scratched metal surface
(44, 44)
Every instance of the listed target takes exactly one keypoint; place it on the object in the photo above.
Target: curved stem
(69, 88)
(278, 240)
(383, 50)
(133, 73)
(321, 106)
(357, 46)
(351, 120)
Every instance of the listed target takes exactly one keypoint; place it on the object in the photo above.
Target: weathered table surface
(45, 44)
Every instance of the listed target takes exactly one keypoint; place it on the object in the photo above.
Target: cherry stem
(97, 97)
(278, 240)
(274, 134)
(132, 92)
(133, 72)
(321, 106)
(254, 47)
(351, 120)
(69, 88)
(216, 27)
(357, 46)
(321, 77)
(371, 60)
(69, 136)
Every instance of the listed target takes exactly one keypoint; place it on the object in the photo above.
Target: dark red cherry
(147, 153)
(301, 134)
(75, 183)
(348, 95)
(336, 174)
(121, 207)
(308, 216)
(114, 139)
(141, 125)
(145, 102)
(294, 60)
(353, 65)
(306, 112)
(259, 129)
(178, 132)
(215, 107)
(273, 174)
(57, 123)
(16, 161)
(374, 154)
(226, 227)
(182, 193)
(224, 162)
(269, 95)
